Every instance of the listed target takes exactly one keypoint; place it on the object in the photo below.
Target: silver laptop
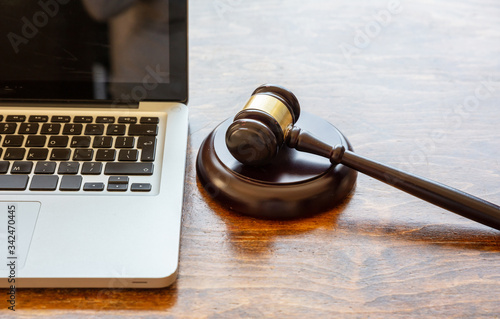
(93, 136)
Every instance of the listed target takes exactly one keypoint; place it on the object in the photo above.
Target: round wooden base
(295, 185)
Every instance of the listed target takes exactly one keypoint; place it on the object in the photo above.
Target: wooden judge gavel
(266, 123)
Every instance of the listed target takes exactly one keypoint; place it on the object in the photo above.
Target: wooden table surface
(411, 84)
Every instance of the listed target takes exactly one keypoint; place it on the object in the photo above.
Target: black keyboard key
(60, 119)
(70, 168)
(116, 129)
(71, 183)
(148, 146)
(83, 155)
(80, 141)
(15, 118)
(127, 120)
(125, 142)
(38, 118)
(94, 129)
(129, 169)
(36, 141)
(60, 154)
(143, 129)
(1, 117)
(4, 167)
(128, 155)
(104, 155)
(150, 120)
(29, 128)
(45, 168)
(146, 141)
(117, 187)
(13, 141)
(148, 154)
(102, 142)
(93, 168)
(105, 119)
(141, 187)
(58, 141)
(14, 154)
(44, 183)
(73, 129)
(83, 119)
(93, 187)
(118, 180)
(37, 154)
(21, 168)
(8, 128)
(13, 182)
(50, 129)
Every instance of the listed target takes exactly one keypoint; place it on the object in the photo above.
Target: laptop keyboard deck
(77, 153)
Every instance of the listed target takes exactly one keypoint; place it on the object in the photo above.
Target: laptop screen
(110, 51)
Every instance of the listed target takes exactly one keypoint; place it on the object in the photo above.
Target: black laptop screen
(118, 51)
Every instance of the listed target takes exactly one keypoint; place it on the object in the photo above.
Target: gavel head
(258, 131)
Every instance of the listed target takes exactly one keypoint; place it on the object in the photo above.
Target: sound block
(295, 185)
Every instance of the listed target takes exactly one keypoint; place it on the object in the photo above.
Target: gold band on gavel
(271, 106)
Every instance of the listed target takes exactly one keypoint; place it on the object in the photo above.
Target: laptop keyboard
(73, 153)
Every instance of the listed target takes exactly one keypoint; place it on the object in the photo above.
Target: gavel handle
(433, 192)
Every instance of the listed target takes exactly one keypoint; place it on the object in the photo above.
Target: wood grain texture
(422, 94)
